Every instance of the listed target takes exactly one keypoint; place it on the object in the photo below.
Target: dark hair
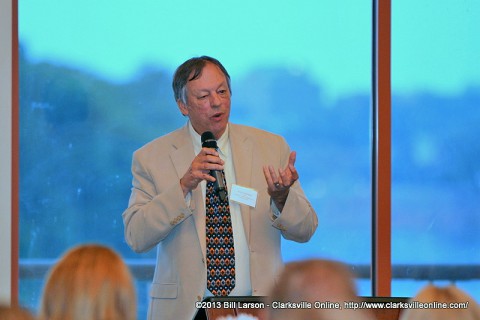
(194, 67)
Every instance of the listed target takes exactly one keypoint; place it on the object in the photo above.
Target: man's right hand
(208, 159)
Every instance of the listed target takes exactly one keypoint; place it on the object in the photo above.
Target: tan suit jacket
(158, 215)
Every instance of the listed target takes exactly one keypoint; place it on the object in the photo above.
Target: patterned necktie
(220, 249)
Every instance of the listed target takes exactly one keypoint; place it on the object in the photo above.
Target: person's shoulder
(255, 133)
(163, 142)
(259, 138)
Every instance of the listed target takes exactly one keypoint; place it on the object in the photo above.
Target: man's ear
(183, 108)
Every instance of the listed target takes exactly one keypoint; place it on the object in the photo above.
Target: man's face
(208, 101)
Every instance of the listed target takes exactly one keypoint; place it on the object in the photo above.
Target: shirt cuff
(275, 211)
(188, 198)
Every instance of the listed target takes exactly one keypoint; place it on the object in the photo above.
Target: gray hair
(194, 67)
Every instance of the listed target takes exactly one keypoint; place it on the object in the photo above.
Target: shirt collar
(222, 143)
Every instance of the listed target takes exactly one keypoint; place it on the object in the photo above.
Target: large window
(436, 154)
(95, 86)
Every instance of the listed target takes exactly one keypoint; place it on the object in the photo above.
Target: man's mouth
(217, 116)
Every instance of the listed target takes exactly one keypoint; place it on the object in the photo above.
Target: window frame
(381, 271)
(10, 152)
(381, 146)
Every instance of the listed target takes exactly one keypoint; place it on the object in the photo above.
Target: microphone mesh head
(208, 140)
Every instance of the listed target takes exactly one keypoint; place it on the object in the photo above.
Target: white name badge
(244, 195)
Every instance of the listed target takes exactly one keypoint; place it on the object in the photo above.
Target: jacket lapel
(182, 158)
(242, 153)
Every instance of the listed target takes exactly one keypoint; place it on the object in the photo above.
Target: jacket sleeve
(153, 211)
(298, 220)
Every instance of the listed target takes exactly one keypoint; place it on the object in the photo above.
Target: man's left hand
(279, 185)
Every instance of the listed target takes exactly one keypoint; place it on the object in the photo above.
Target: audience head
(315, 281)
(442, 295)
(14, 313)
(241, 316)
(90, 282)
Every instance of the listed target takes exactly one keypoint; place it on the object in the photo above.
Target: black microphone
(208, 141)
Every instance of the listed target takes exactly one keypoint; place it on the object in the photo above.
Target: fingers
(268, 177)
(292, 158)
(291, 166)
(209, 151)
(273, 182)
(285, 177)
(276, 182)
(208, 159)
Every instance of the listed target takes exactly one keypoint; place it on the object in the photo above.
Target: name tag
(244, 195)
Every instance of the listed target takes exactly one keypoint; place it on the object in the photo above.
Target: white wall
(5, 148)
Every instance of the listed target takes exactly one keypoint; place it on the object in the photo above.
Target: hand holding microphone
(205, 166)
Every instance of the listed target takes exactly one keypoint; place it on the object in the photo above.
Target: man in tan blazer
(167, 205)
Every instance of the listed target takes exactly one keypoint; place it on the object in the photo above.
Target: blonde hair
(15, 313)
(467, 308)
(90, 282)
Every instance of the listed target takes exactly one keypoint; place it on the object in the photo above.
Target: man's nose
(215, 100)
